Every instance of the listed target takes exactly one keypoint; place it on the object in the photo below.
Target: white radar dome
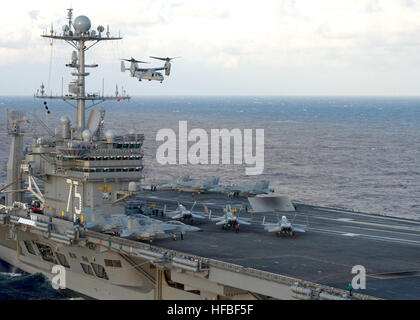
(110, 136)
(82, 24)
(64, 119)
(133, 186)
(86, 135)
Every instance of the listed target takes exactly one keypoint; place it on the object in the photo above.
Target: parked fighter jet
(229, 219)
(145, 228)
(261, 187)
(182, 227)
(168, 184)
(197, 185)
(187, 184)
(181, 213)
(141, 227)
(95, 220)
(283, 226)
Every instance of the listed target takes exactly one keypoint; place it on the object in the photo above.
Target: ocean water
(17, 285)
(350, 152)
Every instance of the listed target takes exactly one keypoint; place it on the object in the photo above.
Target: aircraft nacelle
(167, 68)
(133, 68)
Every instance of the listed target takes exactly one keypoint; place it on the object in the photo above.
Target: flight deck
(337, 240)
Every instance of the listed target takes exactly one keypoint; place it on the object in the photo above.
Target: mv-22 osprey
(147, 73)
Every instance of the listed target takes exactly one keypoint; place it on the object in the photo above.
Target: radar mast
(79, 35)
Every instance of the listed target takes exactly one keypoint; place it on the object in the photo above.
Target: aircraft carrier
(62, 180)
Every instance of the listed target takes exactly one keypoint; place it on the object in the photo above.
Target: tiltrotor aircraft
(147, 73)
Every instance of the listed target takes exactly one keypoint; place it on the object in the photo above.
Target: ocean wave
(27, 287)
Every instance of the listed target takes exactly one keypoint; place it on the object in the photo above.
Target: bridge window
(87, 269)
(62, 259)
(46, 252)
(113, 263)
(99, 271)
(29, 247)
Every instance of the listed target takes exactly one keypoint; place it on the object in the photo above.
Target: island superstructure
(87, 172)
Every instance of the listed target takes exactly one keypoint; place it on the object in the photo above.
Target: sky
(226, 47)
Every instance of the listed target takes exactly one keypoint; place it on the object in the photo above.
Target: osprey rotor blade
(132, 60)
(164, 59)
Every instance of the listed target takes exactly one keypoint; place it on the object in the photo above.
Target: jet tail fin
(262, 186)
(212, 182)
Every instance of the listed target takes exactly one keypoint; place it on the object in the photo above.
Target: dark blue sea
(350, 152)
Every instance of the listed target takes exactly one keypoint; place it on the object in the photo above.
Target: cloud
(373, 6)
(33, 14)
(199, 12)
(255, 39)
(288, 8)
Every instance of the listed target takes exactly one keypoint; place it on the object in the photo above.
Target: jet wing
(168, 227)
(273, 228)
(243, 221)
(145, 234)
(198, 216)
(217, 218)
(221, 222)
(298, 228)
(126, 233)
(192, 229)
(91, 225)
(177, 216)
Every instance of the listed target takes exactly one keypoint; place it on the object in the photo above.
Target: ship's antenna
(79, 35)
(69, 17)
